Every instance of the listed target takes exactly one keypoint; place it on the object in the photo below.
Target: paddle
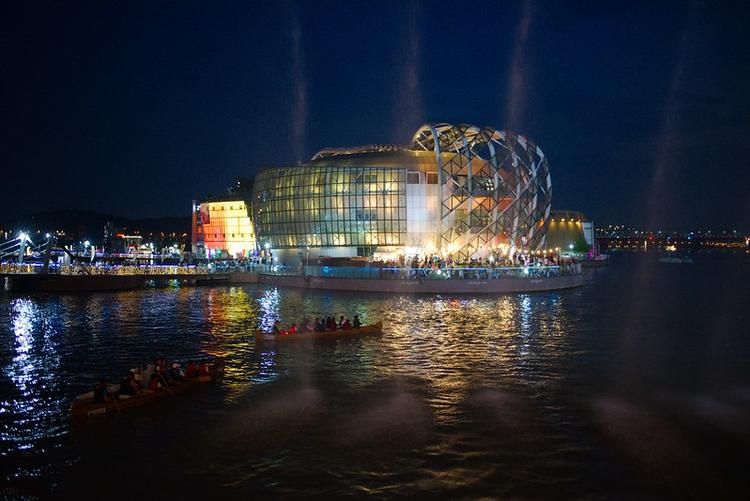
(114, 401)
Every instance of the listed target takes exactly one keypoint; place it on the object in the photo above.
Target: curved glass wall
(330, 206)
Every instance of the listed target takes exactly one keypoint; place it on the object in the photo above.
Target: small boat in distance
(671, 256)
(376, 328)
(84, 408)
(675, 259)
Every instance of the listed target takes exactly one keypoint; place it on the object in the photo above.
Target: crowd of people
(150, 378)
(320, 324)
(534, 264)
(435, 261)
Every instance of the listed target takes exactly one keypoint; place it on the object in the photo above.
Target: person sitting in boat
(146, 375)
(176, 373)
(153, 383)
(161, 375)
(125, 386)
(203, 369)
(192, 370)
(162, 368)
(293, 328)
(340, 324)
(357, 321)
(346, 325)
(129, 386)
(276, 329)
(331, 324)
(319, 325)
(309, 326)
(101, 393)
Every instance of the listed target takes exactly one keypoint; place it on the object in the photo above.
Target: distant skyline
(136, 109)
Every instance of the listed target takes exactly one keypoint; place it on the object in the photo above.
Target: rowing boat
(376, 328)
(84, 408)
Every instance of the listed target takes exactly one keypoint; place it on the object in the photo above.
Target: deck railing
(54, 269)
(483, 273)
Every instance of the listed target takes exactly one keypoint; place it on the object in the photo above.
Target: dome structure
(494, 187)
(457, 190)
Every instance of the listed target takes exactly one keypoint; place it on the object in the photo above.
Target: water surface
(635, 385)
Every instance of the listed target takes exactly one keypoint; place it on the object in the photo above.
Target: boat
(83, 407)
(676, 259)
(376, 328)
(595, 262)
(671, 256)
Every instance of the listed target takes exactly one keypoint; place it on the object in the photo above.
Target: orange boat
(376, 328)
(84, 408)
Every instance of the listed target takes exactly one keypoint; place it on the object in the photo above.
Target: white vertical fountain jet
(299, 82)
(658, 198)
(516, 84)
(656, 204)
(409, 112)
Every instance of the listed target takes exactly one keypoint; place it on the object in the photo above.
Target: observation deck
(464, 280)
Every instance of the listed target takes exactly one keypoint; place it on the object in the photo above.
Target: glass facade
(330, 206)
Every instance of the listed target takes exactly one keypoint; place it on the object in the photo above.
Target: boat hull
(675, 260)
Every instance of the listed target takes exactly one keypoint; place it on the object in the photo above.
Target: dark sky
(136, 108)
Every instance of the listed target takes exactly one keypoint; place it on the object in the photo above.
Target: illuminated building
(568, 230)
(222, 228)
(456, 190)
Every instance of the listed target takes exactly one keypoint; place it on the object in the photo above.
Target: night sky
(136, 108)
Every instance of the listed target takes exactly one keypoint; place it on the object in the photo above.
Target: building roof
(239, 197)
(415, 160)
(569, 215)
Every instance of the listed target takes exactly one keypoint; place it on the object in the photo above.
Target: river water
(635, 385)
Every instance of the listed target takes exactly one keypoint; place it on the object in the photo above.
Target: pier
(54, 282)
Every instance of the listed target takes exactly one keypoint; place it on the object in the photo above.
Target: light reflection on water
(31, 411)
(514, 395)
(269, 309)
